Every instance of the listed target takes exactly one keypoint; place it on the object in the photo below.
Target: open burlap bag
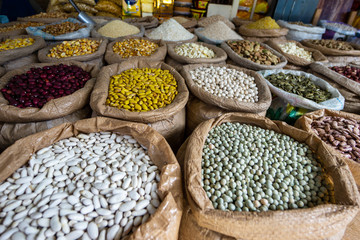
(206, 21)
(99, 53)
(194, 39)
(326, 221)
(112, 57)
(16, 32)
(243, 62)
(198, 111)
(16, 53)
(305, 123)
(2, 71)
(298, 61)
(333, 52)
(238, 22)
(264, 39)
(40, 20)
(220, 55)
(227, 103)
(11, 132)
(323, 68)
(352, 100)
(343, 59)
(192, 23)
(21, 62)
(175, 64)
(165, 222)
(55, 108)
(245, 31)
(147, 22)
(295, 67)
(96, 34)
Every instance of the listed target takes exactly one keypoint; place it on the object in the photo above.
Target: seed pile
(293, 49)
(194, 50)
(50, 15)
(73, 48)
(247, 168)
(94, 186)
(117, 28)
(352, 73)
(264, 23)
(340, 133)
(63, 28)
(142, 89)
(39, 85)
(9, 44)
(135, 47)
(254, 52)
(333, 44)
(299, 85)
(18, 26)
(170, 30)
(301, 24)
(219, 31)
(226, 82)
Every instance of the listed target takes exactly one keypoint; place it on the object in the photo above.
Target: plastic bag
(335, 103)
(298, 33)
(81, 33)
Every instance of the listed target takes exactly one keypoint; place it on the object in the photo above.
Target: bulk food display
(91, 116)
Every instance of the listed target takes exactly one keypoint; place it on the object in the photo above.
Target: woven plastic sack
(299, 33)
(81, 33)
(335, 103)
(325, 24)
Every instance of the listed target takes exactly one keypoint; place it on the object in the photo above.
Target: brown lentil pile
(333, 44)
(254, 52)
(73, 48)
(142, 89)
(9, 44)
(63, 28)
(135, 47)
(18, 26)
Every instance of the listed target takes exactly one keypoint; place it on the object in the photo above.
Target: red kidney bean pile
(39, 85)
(352, 73)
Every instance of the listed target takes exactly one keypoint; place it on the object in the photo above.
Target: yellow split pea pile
(9, 44)
(73, 48)
(142, 89)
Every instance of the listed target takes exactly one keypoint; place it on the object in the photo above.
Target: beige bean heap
(292, 49)
(194, 50)
(226, 82)
(94, 186)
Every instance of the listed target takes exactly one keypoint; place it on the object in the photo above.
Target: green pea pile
(247, 168)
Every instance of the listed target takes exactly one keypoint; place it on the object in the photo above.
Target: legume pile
(63, 28)
(9, 44)
(299, 85)
(117, 28)
(341, 133)
(18, 26)
(142, 89)
(219, 31)
(293, 49)
(254, 52)
(264, 23)
(97, 185)
(170, 30)
(226, 82)
(352, 73)
(135, 47)
(73, 48)
(247, 168)
(333, 44)
(39, 85)
(194, 50)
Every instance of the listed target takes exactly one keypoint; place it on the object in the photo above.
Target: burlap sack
(343, 59)
(238, 22)
(352, 100)
(12, 54)
(305, 123)
(194, 39)
(40, 20)
(298, 61)
(264, 39)
(323, 68)
(178, 66)
(165, 222)
(192, 23)
(243, 62)
(99, 53)
(16, 32)
(295, 67)
(112, 57)
(206, 21)
(2, 71)
(147, 22)
(333, 52)
(21, 62)
(101, 90)
(11, 132)
(227, 103)
(220, 55)
(245, 31)
(96, 34)
(198, 111)
(55, 108)
(326, 221)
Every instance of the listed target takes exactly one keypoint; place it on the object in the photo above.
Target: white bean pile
(94, 186)
(194, 50)
(292, 49)
(226, 82)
